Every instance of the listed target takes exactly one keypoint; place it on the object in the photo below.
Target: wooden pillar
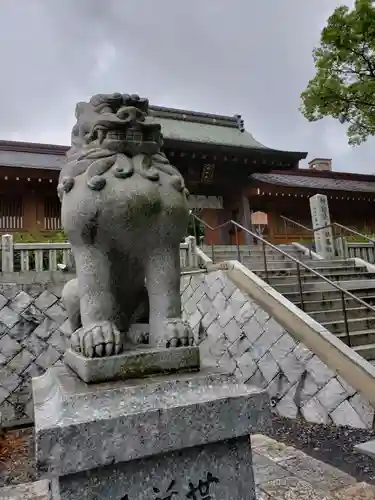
(33, 210)
(271, 219)
(209, 215)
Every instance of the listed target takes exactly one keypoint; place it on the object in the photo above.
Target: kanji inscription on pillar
(324, 243)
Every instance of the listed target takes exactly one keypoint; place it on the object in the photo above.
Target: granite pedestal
(159, 438)
(142, 361)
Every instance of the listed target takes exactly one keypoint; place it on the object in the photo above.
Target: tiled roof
(31, 160)
(223, 133)
(316, 183)
(178, 126)
(205, 128)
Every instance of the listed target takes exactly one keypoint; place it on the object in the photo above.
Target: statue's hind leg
(163, 275)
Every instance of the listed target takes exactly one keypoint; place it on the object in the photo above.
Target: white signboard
(259, 219)
(321, 218)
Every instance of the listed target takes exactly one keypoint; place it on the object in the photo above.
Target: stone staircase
(320, 300)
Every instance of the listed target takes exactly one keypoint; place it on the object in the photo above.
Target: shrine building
(229, 174)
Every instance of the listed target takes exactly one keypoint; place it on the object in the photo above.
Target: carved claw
(178, 183)
(99, 340)
(123, 167)
(177, 333)
(67, 184)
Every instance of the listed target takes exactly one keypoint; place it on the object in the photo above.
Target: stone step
(310, 306)
(367, 351)
(292, 270)
(233, 248)
(354, 324)
(328, 315)
(292, 274)
(250, 261)
(321, 302)
(358, 338)
(319, 296)
(258, 249)
(344, 275)
(285, 265)
(322, 286)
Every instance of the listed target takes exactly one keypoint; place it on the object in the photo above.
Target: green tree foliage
(36, 237)
(344, 84)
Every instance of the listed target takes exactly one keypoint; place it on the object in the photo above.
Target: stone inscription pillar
(246, 218)
(7, 257)
(320, 218)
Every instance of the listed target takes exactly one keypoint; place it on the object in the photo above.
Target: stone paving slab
(272, 449)
(317, 473)
(39, 490)
(360, 491)
(284, 473)
(292, 488)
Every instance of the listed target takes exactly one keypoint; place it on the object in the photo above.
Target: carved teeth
(119, 136)
(130, 135)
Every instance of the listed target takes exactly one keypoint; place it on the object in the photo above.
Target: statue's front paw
(177, 333)
(100, 339)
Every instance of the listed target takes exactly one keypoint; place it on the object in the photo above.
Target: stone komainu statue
(124, 209)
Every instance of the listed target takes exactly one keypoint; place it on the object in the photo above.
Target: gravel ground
(17, 464)
(328, 443)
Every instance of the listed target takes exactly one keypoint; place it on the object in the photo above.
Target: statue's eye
(104, 108)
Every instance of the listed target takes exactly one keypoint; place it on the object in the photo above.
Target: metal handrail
(354, 232)
(333, 224)
(309, 229)
(298, 263)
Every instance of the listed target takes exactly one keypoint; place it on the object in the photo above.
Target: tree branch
(352, 101)
(367, 61)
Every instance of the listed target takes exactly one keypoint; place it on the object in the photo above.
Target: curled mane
(112, 134)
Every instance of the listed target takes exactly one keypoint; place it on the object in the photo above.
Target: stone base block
(147, 434)
(138, 362)
(367, 448)
(214, 471)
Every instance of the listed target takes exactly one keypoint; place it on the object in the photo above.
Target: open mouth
(128, 136)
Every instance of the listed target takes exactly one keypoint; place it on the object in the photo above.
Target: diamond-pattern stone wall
(236, 334)
(233, 332)
(33, 325)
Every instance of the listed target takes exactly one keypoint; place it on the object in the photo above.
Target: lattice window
(52, 209)
(11, 212)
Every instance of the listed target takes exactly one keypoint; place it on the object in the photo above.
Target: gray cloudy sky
(251, 57)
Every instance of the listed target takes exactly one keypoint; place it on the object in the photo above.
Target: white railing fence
(351, 250)
(38, 257)
(365, 251)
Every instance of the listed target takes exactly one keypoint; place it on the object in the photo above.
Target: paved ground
(284, 473)
(281, 473)
(328, 443)
(38, 490)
